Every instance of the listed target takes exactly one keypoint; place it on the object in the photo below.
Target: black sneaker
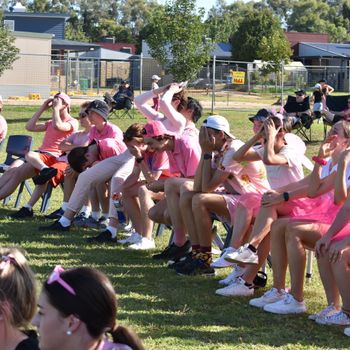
(195, 267)
(56, 226)
(173, 252)
(103, 237)
(22, 213)
(55, 214)
(183, 260)
(44, 176)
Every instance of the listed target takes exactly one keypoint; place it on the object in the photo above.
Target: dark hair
(182, 97)
(77, 158)
(195, 107)
(134, 131)
(322, 81)
(284, 125)
(94, 304)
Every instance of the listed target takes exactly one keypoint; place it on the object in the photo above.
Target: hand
(47, 104)
(271, 198)
(156, 186)
(336, 251)
(327, 146)
(69, 171)
(322, 246)
(175, 88)
(270, 129)
(57, 103)
(206, 141)
(135, 151)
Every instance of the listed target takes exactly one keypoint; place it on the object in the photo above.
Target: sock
(206, 254)
(95, 215)
(112, 230)
(252, 248)
(28, 206)
(250, 285)
(64, 206)
(195, 250)
(64, 221)
(105, 215)
(45, 166)
(86, 210)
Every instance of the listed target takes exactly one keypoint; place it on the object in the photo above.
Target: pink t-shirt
(78, 138)
(110, 147)
(156, 161)
(108, 345)
(3, 128)
(54, 137)
(246, 177)
(109, 131)
(184, 159)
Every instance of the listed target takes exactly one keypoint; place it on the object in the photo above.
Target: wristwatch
(139, 160)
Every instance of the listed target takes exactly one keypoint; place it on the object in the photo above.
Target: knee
(29, 156)
(171, 186)
(198, 201)
(186, 199)
(155, 215)
(143, 192)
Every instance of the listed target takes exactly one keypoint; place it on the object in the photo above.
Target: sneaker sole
(198, 274)
(241, 261)
(279, 312)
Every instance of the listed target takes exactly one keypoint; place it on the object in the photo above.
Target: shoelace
(338, 316)
(271, 292)
(325, 311)
(288, 298)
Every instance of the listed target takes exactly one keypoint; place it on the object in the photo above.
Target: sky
(207, 4)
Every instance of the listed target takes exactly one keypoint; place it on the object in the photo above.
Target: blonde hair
(17, 287)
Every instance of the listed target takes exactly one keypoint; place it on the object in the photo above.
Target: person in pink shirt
(77, 309)
(184, 155)
(102, 129)
(44, 165)
(3, 124)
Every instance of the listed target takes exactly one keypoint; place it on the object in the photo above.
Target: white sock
(86, 209)
(45, 166)
(28, 206)
(105, 215)
(112, 230)
(95, 215)
(64, 206)
(64, 221)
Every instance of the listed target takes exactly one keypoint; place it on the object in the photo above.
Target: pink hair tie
(56, 277)
(319, 160)
(6, 260)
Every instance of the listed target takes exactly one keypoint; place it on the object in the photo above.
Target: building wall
(30, 73)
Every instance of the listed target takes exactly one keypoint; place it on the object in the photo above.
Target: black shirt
(31, 343)
(317, 96)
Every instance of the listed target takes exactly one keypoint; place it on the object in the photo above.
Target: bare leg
(243, 219)
(341, 272)
(132, 206)
(159, 213)
(103, 196)
(38, 191)
(202, 205)
(33, 158)
(69, 182)
(279, 252)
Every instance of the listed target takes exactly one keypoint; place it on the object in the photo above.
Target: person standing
(155, 80)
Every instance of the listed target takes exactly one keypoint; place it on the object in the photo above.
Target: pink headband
(56, 277)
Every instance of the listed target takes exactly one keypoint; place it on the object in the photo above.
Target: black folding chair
(304, 120)
(16, 148)
(120, 110)
(46, 196)
(334, 104)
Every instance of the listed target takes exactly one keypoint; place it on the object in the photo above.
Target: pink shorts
(231, 203)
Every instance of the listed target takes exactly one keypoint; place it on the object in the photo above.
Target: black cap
(300, 92)
(260, 115)
(100, 107)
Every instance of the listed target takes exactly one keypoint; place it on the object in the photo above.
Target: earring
(69, 332)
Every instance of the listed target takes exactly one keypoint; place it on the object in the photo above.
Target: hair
(94, 304)
(345, 126)
(195, 107)
(85, 105)
(284, 124)
(182, 97)
(322, 81)
(134, 132)
(77, 158)
(17, 288)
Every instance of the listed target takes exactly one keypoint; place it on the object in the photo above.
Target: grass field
(168, 311)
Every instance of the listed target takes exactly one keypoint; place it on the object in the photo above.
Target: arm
(57, 122)
(246, 152)
(32, 123)
(197, 183)
(132, 179)
(340, 187)
(67, 145)
(175, 117)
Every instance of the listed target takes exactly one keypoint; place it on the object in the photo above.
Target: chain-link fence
(219, 81)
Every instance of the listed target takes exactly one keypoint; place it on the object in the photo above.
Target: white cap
(155, 77)
(0, 98)
(317, 86)
(218, 122)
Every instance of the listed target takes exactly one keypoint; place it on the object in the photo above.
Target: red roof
(298, 37)
(118, 46)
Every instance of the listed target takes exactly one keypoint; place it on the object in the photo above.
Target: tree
(8, 50)
(249, 37)
(178, 38)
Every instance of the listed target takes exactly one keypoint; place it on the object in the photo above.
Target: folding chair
(16, 148)
(303, 124)
(127, 110)
(45, 204)
(334, 104)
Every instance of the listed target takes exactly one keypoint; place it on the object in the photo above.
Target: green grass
(169, 311)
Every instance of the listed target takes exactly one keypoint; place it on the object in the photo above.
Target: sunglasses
(83, 114)
(55, 277)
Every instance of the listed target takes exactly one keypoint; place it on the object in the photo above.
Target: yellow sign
(238, 77)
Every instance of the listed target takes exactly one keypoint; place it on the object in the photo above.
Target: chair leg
(46, 199)
(160, 230)
(309, 265)
(19, 195)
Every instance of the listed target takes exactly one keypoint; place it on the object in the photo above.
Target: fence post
(141, 68)
(248, 77)
(213, 89)
(98, 75)
(349, 76)
(282, 81)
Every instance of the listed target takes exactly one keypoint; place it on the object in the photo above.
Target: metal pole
(348, 76)
(282, 81)
(248, 77)
(98, 75)
(213, 89)
(67, 69)
(141, 73)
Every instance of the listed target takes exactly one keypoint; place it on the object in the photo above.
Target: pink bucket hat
(155, 128)
(64, 97)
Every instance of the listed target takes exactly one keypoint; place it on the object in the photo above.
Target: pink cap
(155, 128)
(64, 97)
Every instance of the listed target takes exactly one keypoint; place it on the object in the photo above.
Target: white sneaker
(237, 288)
(220, 262)
(328, 311)
(243, 255)
(347, 331)
(340, 318)
(134, 238)
(236, 272)
(143, 244)
(288, 305)
(271, 296)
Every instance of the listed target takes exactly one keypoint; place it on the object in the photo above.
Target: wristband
(319, 160)
(139, 160)
(207, 156)
(285, 196)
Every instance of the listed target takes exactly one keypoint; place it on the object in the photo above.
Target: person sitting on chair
(124, 96)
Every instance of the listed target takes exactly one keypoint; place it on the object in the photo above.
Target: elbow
(312, 194)
(28, 127)
(137, 102)
(268, 161)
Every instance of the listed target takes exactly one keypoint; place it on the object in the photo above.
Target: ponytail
(125, 335)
